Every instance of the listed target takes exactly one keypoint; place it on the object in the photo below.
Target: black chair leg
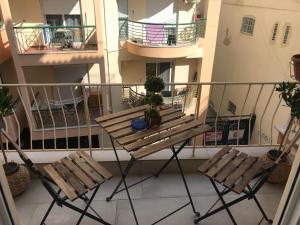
(47, 213)
(223, 201)
(262, 210)
(87, 205)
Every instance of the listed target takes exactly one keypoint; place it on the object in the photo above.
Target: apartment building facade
(256, 40)
(99, 42)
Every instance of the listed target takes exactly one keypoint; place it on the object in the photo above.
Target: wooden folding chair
(73, 177)
(235, 170)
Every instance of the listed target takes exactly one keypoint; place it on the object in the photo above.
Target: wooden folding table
(175, 128)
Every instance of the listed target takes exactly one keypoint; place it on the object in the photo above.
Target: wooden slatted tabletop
(233, 168)
(175, 128)
(77, 174)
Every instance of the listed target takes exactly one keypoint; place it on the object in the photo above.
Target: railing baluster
(219, 109)
(27, 116)
(18, 126)
(240, 116)
(51, 115)
(64, 116)
(40, 116)
(264, 111)
(273, 117)
(77, 117)
(87, 117)
(253, 111)
(199, 91)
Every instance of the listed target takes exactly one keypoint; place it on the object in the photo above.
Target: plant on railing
(6, 107)
(17, 175)
(290, 93)
(153, 86)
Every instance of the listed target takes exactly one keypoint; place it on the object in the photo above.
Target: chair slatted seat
(236, 170)
(75, 176)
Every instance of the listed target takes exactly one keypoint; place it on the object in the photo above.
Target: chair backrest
(22, 155)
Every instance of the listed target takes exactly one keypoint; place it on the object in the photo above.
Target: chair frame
(60, 200)
(250, 191)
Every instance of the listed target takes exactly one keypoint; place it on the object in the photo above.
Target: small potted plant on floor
(153, 86)
(290, 93)
(17, 175)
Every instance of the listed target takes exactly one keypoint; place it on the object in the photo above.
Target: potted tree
(17, 175)
(153, 86)
(290, 93)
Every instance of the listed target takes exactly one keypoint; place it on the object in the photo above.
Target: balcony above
(162, 40)
(40, 38)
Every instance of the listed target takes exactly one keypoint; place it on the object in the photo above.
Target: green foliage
(290, 92)
(6, 107)
(153, 99)
(154, 84)
(6, 103)
(152, 113)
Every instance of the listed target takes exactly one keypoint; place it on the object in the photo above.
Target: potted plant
(17, 175)
(290, 93)
(153, 86)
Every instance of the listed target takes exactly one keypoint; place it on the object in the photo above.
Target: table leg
(184, 180)
(123, 179)
(170, 160)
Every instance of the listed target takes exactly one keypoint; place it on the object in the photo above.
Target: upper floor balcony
(55, 32)
(162, 40)
(39, 38)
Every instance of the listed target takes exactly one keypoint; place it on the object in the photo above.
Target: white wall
(245, 58)
(61, 7)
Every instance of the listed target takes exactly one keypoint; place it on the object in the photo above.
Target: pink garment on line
(154, 33)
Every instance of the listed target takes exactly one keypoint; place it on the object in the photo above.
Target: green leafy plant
(290, 93)
(154, 99)
(153, 86)
(6, 108)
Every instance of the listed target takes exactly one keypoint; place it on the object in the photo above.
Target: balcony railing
(45, 38)
(61, 116)
(161, 34)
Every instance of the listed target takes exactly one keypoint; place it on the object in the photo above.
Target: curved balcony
(162, 40)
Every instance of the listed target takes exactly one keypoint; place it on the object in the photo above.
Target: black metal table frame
(129, 166)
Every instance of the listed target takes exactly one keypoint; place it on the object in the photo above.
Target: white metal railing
(41, 125)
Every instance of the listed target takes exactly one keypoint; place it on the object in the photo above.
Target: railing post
(199, 90)
(87, 117)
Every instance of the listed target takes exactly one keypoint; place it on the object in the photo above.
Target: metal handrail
(54, 38)
(53, 27)
(170, 34)
(65, 121)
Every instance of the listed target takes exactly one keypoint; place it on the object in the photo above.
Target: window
(248, 25)
(274, 32)
(73, 20)
(54, 20)
(61, 20)
(286, 35)
(161, 69)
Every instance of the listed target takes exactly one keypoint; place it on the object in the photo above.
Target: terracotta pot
(295, 62)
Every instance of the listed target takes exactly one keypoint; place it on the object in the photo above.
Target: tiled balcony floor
(152, 199)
